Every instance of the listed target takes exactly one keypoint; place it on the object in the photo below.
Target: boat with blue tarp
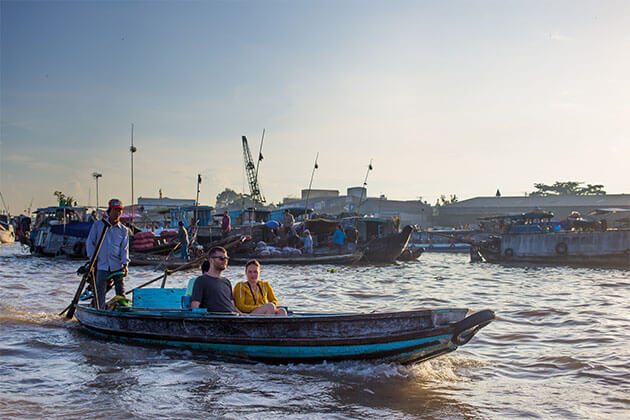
(161, 317)
(60, 230)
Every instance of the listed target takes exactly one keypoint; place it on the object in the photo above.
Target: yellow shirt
(245, 300)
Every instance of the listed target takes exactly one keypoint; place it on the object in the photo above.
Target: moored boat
(534, 237)
(157, 318)
(608, 248)
(60, 231)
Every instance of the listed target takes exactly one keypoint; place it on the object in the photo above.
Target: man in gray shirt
(211, 291)
(113, 256)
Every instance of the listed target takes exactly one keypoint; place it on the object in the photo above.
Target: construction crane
(252, 171)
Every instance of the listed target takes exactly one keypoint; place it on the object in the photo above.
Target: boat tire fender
(561, 248)
(468, 327)
(509, 252)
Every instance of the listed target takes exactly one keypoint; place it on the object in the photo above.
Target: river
(559, 348)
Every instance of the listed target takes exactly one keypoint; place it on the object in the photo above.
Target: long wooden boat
(347, 258)
(402, 337)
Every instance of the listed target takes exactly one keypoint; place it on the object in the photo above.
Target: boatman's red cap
(115, 203)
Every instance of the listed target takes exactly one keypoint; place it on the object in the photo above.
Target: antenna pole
(364, 185)
(308, 193)
(132, 150)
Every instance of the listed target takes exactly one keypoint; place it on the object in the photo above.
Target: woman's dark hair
(252, 262)
(205, 266)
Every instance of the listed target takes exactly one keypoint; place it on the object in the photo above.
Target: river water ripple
(560, 348)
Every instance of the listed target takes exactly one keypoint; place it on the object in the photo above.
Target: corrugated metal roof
(608, 200)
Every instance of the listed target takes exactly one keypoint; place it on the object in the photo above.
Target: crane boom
(252, 177)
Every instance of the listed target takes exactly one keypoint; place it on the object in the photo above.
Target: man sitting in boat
(211, 291)
(256, 297)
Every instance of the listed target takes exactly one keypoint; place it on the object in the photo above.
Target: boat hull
(403, 337)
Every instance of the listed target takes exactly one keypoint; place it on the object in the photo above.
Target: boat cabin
(249, 216)
(369, 227)
(60, 215)
(299, 213)
(534, 221)
(187, 215)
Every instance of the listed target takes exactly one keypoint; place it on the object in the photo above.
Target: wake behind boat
(157, 317)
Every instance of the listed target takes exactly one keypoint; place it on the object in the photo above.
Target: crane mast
(252, 177)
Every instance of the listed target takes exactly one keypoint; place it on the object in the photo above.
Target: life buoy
(561, 248)
(509, 252)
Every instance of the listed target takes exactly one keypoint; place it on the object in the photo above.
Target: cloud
(557, 36)
(29, 162)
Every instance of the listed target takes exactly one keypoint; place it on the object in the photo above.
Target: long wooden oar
(170, 254)
(70, 309)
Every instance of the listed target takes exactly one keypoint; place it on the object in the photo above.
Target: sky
(445, 97)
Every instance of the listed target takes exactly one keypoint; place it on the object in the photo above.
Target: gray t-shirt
(213, 293)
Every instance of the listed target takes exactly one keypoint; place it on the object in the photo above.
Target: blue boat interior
(172, 299)
(161, 298)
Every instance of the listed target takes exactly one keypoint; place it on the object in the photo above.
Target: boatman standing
(182, 238)
(226, 225)
(113, 256)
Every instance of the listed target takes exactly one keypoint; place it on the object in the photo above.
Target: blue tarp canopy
(78, 230)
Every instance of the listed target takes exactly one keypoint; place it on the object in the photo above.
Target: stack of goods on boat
(143, 241)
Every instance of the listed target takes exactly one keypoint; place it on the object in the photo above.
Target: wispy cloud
(31, 163)
(557, 36)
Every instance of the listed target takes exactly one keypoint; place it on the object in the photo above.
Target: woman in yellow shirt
(256, 297)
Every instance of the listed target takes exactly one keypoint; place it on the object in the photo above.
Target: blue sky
(457, 97)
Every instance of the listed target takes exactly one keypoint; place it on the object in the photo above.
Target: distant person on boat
(338, 238)
(93, 217)
(226, 225)
(211, 291)
(182, 238)
(352, 238)
(256, 297)
(113, 255)
(288, 221)
(308, 242)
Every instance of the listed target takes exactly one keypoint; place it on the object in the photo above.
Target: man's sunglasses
(222, 258)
